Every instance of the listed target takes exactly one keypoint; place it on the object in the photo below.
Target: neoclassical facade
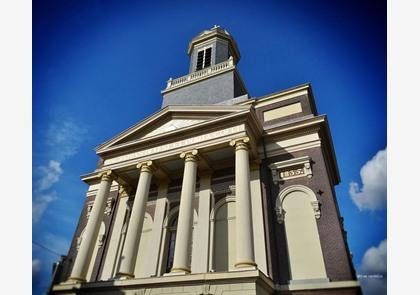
(216, 193)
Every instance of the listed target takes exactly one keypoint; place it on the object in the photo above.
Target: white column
(131, 244)
(81, 264)
(185, 217)
(244, 236)
(201, 251)
(156, 238)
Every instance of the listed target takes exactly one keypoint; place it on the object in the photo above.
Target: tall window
(203, 59)
(224, 237)
(171, 248)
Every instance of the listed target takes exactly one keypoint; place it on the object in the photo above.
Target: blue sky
(99, 66)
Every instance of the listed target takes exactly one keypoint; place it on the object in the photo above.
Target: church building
(216, 193)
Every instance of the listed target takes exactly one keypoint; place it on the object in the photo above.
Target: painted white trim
(195, 111)
(300, 164)
(175, 146)
(317, 286)
(279, 97)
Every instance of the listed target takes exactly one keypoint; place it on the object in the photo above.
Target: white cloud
(64, 138)
(372, 195)
(39, 205)
(36, 267)
(50, 175)
(374, 259)
(373, 277)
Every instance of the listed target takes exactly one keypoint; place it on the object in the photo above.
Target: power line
(45, 248)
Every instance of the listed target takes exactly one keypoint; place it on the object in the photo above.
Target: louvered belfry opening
(200, 57)
(203, 59)
(207, 58)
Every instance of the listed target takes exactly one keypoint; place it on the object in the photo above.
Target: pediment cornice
(206, 118)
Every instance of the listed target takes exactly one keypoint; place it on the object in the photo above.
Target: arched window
(171, 244)
(169, 241)
(223, 221)
(297, 207)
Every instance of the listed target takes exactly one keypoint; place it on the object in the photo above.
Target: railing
(200, 74)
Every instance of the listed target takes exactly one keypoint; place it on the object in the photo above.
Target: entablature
(305, 133)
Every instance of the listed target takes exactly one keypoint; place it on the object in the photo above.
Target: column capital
(189, 155)
(240, 143)
(124, 192)
(108, 175)
(146, 166)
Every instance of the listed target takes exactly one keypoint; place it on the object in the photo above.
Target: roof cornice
(231, 111)
(214, 34)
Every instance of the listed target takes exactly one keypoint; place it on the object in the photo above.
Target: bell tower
(213, 77)
(212, 47)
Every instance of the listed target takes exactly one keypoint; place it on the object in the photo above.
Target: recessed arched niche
(298, 208)
(224, 235)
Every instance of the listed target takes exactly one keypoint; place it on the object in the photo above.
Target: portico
(201, 153)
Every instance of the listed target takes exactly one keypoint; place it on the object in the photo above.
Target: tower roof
(216, 31)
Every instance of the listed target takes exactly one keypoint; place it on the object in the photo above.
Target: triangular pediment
(168, 121)
(173, 125)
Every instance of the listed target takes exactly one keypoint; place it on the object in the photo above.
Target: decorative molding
(315, 203)
(147, 166)
(79, 241)
(89, 209)
(109, 205)
(190, 155)
(316, 207)
(172, 125)
(280, 214)
(199, 75)
(176, 144)
(240, 143)
(107, 175)
(101, 240)
(232, 189)
(289, 169)
(124, 192)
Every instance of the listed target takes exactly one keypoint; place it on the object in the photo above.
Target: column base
(74, 280)
(179, 271)
(123, 276)
(245, 264)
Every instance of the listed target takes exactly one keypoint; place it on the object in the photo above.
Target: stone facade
(211, 197)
